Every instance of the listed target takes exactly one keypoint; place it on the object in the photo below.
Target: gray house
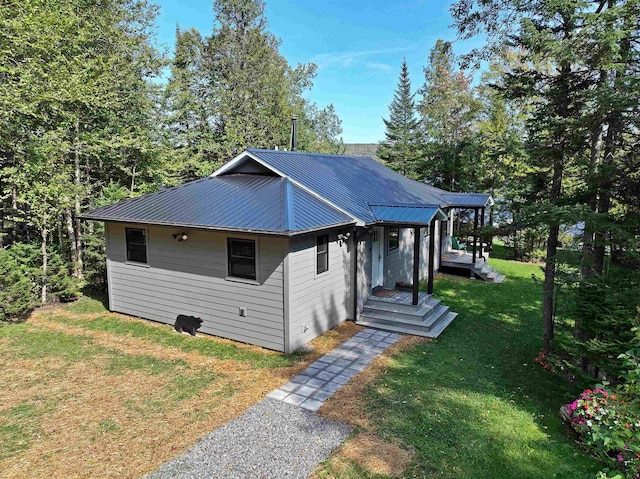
(276, 247)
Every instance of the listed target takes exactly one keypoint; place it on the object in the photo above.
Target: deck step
(408, 313)
(374, 302)
(433, 333)
(427, 321)
(499, 279)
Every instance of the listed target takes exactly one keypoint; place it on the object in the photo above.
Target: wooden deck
(464, 261)
(458, 260)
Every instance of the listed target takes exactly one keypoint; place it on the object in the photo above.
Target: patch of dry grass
(365, 448)
(99, 422)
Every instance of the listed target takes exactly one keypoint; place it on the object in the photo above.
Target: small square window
(136, 245)
(393, 239)
(241, 258)
(322, 254)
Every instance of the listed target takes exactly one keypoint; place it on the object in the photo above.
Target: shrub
(18, 292)
(606, 311)
(21, 279)
(609, 424)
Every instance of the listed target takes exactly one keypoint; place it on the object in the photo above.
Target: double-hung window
(136, 245)
(322, 254)
(241, 258)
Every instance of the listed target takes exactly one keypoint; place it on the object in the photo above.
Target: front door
(377, 258)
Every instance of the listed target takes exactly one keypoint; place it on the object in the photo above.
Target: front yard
(88, 393)
(472, 404)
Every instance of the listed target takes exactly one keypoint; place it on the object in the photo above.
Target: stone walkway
(328, 374)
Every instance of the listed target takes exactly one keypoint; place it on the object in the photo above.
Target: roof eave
(283, 233)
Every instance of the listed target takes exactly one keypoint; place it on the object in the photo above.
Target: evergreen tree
(190, 110)
(401, 148)
(578, 72)
(448, 110)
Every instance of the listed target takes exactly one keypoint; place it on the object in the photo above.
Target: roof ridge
(334, 155)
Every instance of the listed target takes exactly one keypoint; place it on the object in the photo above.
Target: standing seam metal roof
(351, 182)
(239, 202)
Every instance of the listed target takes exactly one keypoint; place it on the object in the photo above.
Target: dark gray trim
(432, 247)
(416, 264)
(355, 273)
(285, 300)
(284, 234)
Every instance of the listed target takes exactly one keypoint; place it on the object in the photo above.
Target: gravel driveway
(272, 439)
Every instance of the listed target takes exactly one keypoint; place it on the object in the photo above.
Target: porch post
(416, 264)
(475, 237)
(482, 235)
(450, 225)
(432, 247)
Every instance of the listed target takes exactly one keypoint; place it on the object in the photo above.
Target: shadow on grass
(474, 403)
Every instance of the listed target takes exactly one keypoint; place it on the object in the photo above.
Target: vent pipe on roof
(294, 133)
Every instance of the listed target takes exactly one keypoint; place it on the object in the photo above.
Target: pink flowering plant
(609, 426)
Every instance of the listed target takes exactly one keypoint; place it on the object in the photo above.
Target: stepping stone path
(332, 371)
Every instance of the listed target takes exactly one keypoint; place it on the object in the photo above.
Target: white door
(377, 258)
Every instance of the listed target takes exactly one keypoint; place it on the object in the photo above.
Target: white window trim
(235, 279)
(146, 244)
(315, 256)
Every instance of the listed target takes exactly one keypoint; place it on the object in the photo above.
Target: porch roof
(406, 214)
(468, 200)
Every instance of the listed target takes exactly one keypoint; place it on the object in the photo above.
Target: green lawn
(474, 404)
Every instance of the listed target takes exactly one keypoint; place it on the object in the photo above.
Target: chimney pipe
(294, 133)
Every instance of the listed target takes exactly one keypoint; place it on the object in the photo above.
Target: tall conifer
(401, 149)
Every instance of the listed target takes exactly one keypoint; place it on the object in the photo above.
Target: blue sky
(357, 45)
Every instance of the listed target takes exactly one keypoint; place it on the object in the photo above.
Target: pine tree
(401, 149)
(448, 111)
(190, 111)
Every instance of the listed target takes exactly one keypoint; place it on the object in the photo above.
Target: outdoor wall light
(180, 236)
(343, 237)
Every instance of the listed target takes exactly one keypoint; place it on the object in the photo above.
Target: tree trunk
(73, 244)
(587, 268)
(43, 249)
(77, 227)
(133, 178)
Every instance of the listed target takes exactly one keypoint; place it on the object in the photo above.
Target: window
(241, 258)
(393, 239)
(322, 254)
(136, 245)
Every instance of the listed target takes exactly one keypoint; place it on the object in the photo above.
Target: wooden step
(417, 312)
(373, 302)
(427, 321)
(499, 279)
(433, 333)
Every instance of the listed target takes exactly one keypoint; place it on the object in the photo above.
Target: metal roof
(349, 183)
(468, 200)
(254, 203)
(311, 191)
(406, 214)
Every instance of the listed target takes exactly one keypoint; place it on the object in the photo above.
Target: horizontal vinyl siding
(188, 277)
(318, 302)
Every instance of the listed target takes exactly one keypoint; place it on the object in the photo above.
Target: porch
(394, 310)
(463, 261)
